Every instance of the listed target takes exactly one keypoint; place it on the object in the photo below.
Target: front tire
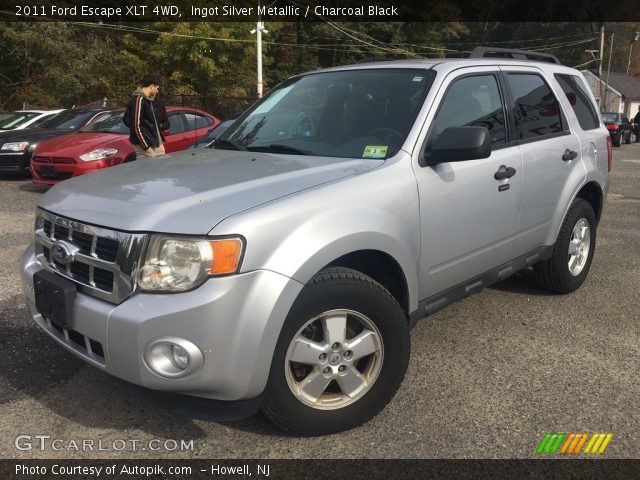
(341, 355)
(570, 262)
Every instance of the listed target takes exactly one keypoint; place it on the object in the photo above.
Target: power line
(584, 64)
(542, 48)
(524, 40)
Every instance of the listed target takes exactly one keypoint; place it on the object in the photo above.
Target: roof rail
(491, 52)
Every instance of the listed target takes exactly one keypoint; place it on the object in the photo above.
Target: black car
(16, 146)
(619, 127)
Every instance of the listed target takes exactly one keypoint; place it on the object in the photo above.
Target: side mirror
(166, 132)
(457, 144)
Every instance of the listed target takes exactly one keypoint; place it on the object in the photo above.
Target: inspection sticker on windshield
(375, 151)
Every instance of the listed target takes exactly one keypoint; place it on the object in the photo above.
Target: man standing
(140, 117)
(636, 121)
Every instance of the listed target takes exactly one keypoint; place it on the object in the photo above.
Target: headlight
(99, 154)
(16, 146)
(175, 264)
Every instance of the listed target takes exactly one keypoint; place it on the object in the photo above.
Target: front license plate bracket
(54, 298)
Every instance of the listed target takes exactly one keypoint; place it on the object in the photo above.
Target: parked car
(283, 268)
(213, 134)
(16, 147)
(25, 119)
(619, 127)
(105, 143)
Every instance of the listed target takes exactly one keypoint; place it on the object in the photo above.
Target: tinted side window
(537, 112)
(39, 122)
(472, 101)
(176, 125)
(197, 121)
(579, 100)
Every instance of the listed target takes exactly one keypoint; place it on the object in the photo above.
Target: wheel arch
(382, 268)
(592, 193)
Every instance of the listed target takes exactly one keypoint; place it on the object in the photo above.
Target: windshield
(13, 120)
(68, 120)
(108, 123)
(353, 113)
(611, 117)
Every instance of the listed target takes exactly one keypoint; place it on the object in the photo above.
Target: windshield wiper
(277, 147)
(223, 144)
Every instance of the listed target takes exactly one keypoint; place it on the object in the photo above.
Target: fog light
(173, 357)
(180, 356)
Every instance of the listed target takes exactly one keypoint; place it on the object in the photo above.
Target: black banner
(320, 10)
(318, 469)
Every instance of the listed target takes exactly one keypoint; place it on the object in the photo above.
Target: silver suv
(284, 267)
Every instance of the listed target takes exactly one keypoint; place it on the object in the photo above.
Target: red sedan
(105, 143)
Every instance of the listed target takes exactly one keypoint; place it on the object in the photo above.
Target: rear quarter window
(579, 99)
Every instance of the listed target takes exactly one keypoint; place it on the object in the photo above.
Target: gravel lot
(488, 376)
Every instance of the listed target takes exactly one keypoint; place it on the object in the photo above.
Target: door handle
(504, 172)
(569, 155)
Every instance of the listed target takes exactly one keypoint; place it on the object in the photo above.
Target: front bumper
(63, 168)
(235, 321)
(15, 162)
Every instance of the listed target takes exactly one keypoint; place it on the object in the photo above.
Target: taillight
(609, 154)
(612, 127)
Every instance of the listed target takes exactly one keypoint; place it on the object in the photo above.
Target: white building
(621, 94)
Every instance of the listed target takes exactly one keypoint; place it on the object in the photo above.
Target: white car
(24, 118)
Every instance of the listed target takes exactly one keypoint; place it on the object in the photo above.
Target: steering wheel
(302, 126)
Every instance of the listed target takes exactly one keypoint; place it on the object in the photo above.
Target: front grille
(102, 262)
(83, 240)
(107, 249)
(60, 232)
(103, 279)
(80, 272)
(50, 160)
(83, 344)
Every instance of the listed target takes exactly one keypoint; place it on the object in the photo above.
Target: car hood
(78, 143)
(29, 135)
(191, 192)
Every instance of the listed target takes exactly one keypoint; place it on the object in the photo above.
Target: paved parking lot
(488, 375)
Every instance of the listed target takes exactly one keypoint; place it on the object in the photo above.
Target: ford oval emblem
(61, 253)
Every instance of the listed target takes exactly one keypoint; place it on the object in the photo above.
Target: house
(620, 95)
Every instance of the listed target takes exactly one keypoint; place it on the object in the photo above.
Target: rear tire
(351, 340)
(570, 262)
(618, 142)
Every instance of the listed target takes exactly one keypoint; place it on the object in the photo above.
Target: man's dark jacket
(140, 118)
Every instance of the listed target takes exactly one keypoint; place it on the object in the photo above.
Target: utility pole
(600, 65)
(258, 31)
(635, 39)
(606, 90)
(601, 53)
